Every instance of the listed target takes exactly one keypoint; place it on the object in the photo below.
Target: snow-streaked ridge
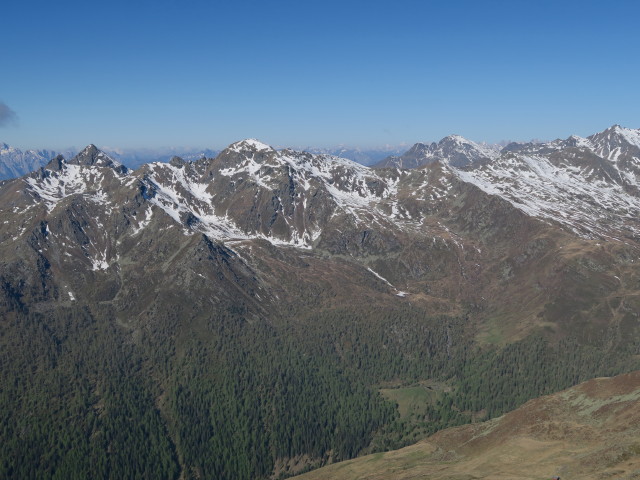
(564, 181)
(349, 184)
(561, 193)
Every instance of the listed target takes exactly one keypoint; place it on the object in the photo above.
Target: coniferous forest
(85, 397)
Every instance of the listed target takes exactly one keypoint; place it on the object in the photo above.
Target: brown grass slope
(591, 431)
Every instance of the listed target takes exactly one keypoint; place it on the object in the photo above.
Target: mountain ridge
(252, 193)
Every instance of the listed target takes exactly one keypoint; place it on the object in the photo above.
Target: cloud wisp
(7, 116)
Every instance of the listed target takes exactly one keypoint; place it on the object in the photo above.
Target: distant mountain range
(365, 157)
(135, 157)
(15, 163)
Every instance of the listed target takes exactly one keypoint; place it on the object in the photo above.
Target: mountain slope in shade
(591, 431)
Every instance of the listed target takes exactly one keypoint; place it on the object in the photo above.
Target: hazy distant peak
(454, 150)
(456, 139)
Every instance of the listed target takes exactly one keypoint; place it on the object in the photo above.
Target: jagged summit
(630, 135)
(617, 143)
(91, 155)
(56, 163)
(177, 161)
(578, 141)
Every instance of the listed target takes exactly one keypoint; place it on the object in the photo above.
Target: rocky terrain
(526, 231)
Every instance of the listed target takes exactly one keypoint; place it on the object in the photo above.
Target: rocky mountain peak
(577, 141)
(453, 150)
(617, 143)
(460, 152)
(618, 132)
(177, 161)
(421, 147)
(93, 156)
(56, 163)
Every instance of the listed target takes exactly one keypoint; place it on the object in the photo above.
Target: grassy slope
(591, 431)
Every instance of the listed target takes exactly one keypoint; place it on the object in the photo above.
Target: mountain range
(15, 162)
(266, 312)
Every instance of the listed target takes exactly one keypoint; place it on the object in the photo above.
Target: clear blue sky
(315, 73)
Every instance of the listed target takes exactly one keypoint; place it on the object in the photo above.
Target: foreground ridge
(589, 431)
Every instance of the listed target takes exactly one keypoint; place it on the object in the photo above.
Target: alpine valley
(267, 312)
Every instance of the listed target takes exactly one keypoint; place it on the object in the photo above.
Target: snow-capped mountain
(286, 197)
(249, 191)
(589, 185)
(616, 143)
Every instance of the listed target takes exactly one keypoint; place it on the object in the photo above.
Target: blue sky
(191, 73)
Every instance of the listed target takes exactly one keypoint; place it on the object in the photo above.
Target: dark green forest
(219, 396)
